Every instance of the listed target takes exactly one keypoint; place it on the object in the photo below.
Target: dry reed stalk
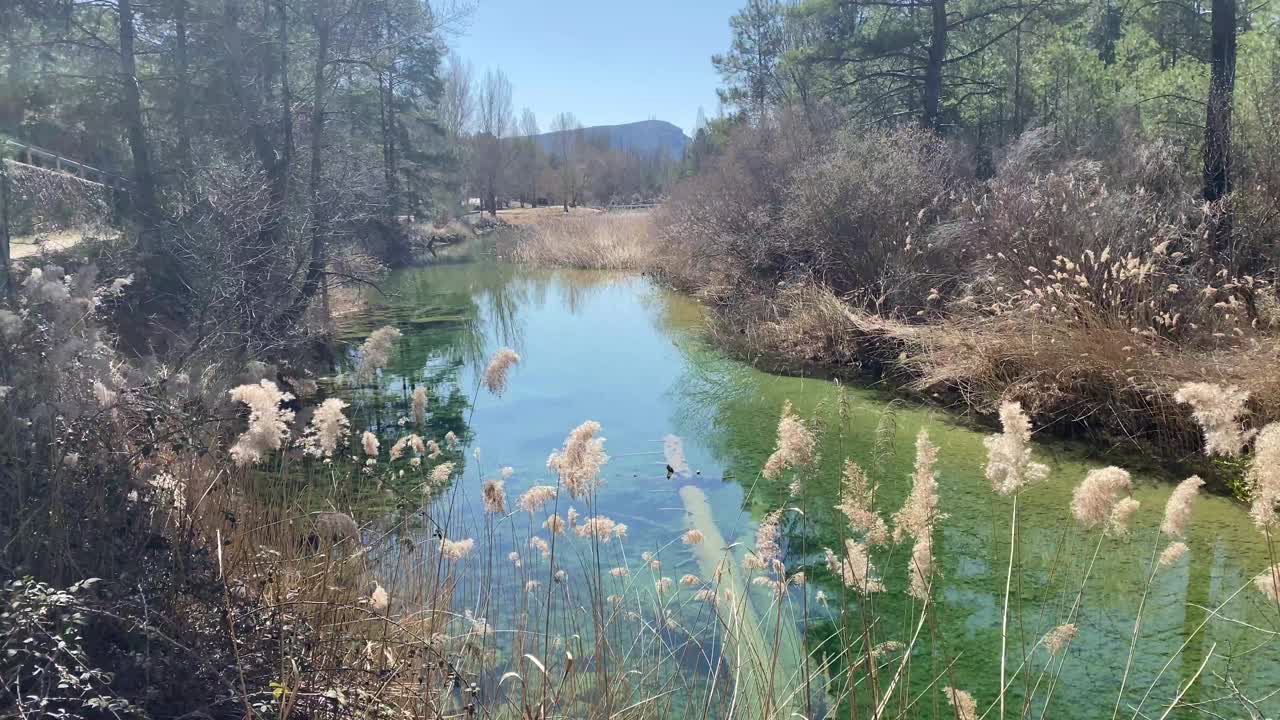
(603, 241)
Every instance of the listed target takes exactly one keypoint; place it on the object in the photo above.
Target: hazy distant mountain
(642, 137)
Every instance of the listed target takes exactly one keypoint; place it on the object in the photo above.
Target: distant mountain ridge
(642, 137)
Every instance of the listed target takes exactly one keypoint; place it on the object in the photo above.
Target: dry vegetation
(237, 492)
(605, 241)
(1088, 291)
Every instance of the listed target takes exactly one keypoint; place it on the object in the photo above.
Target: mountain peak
(642, 137)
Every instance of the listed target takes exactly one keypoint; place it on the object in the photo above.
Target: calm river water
(618, 350)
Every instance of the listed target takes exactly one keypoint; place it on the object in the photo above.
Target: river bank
(1109, 389)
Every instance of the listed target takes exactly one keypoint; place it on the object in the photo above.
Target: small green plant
(46, 671)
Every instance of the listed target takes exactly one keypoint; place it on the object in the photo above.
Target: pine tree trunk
(145, 204)
(1217, 131)
(933, 66)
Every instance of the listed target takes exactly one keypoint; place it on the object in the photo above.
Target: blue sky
(606, 62)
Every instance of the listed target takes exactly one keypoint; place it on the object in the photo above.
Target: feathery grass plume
(620, 572)
(578, 462)
(673, 452)
(767, 550)
(857, 502)
(920, 567)
(1118, 522)
(1058, 638)
(705, 595)
(507, 472)
(689, 580)
(691, 537)
(398, 448)
(1095, 499)
(536, 497)
(663, 585)
(555, 524)
(598, 527)
(495, 497)
(1264, 478)
(369, 442)
(327, 428)
(514, 557)
(375, 353)
(379, 601)
(854, 569)
(540, 545)
(920, 511)
(457, 549)
(434, 449)
(1217, 410)
(888, 647)
(268, 422)
(495, 376)
(1173, 553)
(420, 405)
(1009, 463)
(572, 516)
(105, 396)
(441, 473)
(820, 597)
(1268, 583)
(796, 446)
(964, 704)
(798, 579)
(451, 440)
(532, 585)
(1177, 511)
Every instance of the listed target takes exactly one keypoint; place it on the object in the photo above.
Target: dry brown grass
(1108, 384)
(605, 241)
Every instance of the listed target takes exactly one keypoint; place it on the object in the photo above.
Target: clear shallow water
(615, 349)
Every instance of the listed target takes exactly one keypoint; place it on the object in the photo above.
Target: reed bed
(602, 241)
(364, 562)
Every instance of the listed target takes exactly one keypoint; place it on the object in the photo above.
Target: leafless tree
(566, 129)
(493, 124)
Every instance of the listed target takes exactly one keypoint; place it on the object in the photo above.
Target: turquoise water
(620, 351)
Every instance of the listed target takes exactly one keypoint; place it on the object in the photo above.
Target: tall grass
(604, 241)
(356, 570)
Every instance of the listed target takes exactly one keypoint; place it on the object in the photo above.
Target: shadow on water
(615, 349)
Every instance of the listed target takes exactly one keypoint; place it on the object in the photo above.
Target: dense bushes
(1087, 289)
